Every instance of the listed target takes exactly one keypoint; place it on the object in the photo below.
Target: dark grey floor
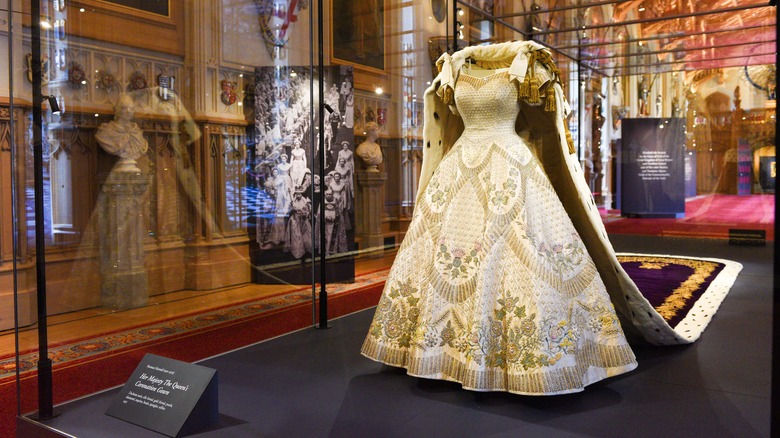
(314, 383)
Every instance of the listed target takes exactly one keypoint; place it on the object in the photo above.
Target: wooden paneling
(104, 21)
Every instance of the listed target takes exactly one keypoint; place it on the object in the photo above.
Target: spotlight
(460, 11)
(53, 105)
(379, 90)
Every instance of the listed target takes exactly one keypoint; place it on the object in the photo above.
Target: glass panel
(685, 66)
(154, 171)
(202, 161)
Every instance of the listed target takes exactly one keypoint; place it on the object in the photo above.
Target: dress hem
(555, 382)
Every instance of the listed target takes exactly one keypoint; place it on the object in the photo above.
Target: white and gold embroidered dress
(499, 283)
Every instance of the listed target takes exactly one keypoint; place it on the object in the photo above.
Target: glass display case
(187, 178)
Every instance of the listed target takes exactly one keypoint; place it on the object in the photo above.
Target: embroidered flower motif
(457, 262)
(447, 335)
(513, 352)
(560, 339)
(414, 314)
(392, 329)
(438, 195)
(527, 327)
(556, 334)
(499, 198)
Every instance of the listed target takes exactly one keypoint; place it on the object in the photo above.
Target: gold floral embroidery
(458, 262)
(653, 265)
(678, 299)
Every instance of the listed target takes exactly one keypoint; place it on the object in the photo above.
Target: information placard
(653, 167)
(168, 396)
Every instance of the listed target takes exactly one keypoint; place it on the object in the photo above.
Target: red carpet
(105, 363)
(708, 216)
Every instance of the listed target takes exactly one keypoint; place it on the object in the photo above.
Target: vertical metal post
(775, 391)
(454, 26)
(14, 200)
(312, 140)
(45, 399)
(321, 143)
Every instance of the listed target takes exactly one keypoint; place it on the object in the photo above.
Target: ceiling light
(379, 90)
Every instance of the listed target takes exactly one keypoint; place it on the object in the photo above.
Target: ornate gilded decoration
(137, 81)
(276, 18)
(76, 76)
(229, 95)
(106, 80)
(44, 68)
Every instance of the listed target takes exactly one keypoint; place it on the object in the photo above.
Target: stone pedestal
(370, 209)
(121, 221)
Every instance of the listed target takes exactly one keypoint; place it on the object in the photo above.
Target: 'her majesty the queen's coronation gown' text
(493, 286)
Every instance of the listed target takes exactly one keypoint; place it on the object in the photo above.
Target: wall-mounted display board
(653, 167)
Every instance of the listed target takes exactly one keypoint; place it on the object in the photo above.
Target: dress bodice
(298, 154)
(487, 103)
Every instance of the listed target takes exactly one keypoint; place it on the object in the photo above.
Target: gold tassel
(569, 140)
(533, 83)
(524, 87)
(533, 92)
(448, 95)
(550, 104)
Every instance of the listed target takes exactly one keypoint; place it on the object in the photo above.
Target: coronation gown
(492, 286)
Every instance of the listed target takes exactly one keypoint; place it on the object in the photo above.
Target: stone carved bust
(122, 137)
(369, 151)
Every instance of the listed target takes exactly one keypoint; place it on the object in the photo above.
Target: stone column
(370, 209)
(121, 220)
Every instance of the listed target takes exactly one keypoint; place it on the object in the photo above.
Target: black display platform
(314, 383)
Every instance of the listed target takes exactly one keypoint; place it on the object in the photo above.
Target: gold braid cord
(530, 89)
